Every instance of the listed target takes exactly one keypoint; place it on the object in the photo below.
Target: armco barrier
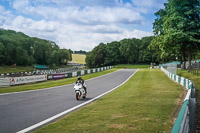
(27, 79)
(186, 121)
(4, 82)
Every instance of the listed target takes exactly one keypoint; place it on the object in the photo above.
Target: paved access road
(21, 110)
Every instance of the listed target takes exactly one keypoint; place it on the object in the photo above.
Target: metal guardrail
(186, 121)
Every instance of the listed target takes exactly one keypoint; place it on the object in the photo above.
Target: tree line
(79, 52)
(20, 49)
(126, 51)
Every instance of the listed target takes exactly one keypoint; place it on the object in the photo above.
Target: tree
(113, 55)
(177, 28)
(146, 55)
(2, 54)
(90, 60)
(64, 56)
(20, 49)
(130, 49)
(100, 54)
(96, 57)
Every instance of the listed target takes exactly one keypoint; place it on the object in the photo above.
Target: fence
(195, 72)
(185, 122)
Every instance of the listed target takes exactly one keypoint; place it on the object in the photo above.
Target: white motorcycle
(79, 90)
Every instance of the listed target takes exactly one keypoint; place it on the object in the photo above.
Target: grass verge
(195, 79)
(13, 69)
(131, 66)
(146, 103)
(52, 83)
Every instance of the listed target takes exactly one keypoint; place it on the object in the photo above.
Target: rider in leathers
(80, 80)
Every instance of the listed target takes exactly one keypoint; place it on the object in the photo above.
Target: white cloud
(21, 4)
(77, 24)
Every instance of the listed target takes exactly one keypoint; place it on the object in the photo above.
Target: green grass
(131, 66)
(195, 79)
(78, 58)
(145, 104)
(52, 83)
(13, 69)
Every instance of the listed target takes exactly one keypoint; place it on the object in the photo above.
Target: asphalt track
(22, 110)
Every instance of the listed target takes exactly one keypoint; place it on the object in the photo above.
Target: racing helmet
(79, 78)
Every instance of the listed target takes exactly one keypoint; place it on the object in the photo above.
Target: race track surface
(21, 110)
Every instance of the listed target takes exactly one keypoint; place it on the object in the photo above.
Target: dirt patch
(118, 116)
(118, 126)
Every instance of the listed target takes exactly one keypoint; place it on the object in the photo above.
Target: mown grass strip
(131, 66)
(52, 83)
(146, 103)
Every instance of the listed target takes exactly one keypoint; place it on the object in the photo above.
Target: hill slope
(78, 58)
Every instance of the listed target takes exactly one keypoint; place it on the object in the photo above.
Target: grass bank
(195, 79)
(146, 103)
(52, 83)
(13, 69)
(131, 66)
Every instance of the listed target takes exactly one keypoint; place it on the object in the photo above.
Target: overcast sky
(80, 24)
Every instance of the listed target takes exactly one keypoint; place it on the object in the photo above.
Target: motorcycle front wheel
(77, 96)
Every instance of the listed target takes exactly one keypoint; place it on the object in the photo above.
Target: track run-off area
(26, 111)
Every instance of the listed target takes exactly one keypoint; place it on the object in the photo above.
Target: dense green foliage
(128, 51)
(20, 49)
(79, 52)
(177, 30)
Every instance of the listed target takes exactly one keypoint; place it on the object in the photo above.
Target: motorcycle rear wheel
(84, 96)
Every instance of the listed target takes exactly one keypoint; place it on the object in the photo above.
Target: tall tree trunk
(183, 62)
(183, 59)
(189, 59)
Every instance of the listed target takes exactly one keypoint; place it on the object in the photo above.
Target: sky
(80, 24)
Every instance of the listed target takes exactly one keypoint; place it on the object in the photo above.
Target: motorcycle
(79, 90)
